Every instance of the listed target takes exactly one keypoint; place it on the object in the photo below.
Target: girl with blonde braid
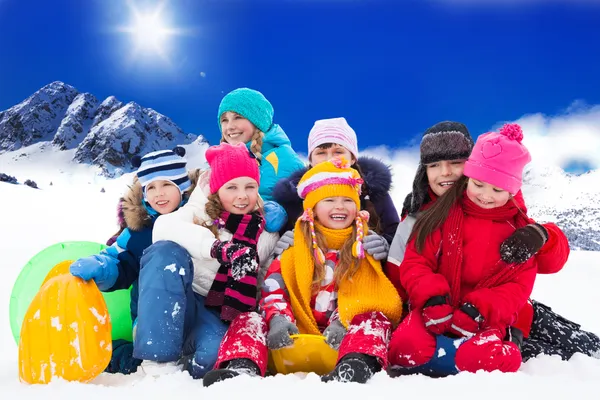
(246, 116)
(326, 284)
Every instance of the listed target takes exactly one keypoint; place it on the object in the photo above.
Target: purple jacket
(378, 181)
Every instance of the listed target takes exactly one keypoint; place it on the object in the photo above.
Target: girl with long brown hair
(454, 271)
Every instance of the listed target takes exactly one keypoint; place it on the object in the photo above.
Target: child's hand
(437, 315)
(334, 334)
(243, 261)
(280, 329)
(466, 321)
(98, 268)
(523, 243)
(224, 251)
(284, 243)
(376, 246)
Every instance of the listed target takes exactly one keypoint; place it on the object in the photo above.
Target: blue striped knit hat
(250, 104)
(163, 165)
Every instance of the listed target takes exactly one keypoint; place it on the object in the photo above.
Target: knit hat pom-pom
(512, 131)
(180, 151)
(340, 162)
(136, 161)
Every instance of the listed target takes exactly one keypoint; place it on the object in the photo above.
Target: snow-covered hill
(105, 134)
(34, 219)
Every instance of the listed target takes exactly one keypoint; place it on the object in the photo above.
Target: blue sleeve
(275, 216)
(127, 264)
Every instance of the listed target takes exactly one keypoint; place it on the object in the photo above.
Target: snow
(74, 209)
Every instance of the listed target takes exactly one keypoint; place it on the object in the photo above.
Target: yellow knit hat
(332, 178)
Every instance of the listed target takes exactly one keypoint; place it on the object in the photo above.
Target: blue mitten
(275, 216)
(102, 269)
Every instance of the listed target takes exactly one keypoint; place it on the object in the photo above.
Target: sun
(149, 32)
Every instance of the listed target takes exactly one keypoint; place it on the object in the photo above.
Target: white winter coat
(180, 228)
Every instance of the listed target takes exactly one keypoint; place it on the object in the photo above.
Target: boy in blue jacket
(161, 186)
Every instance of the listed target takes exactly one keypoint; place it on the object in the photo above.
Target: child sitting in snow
(456, 280)
(161, 186)
(202, 269)
(325, 284)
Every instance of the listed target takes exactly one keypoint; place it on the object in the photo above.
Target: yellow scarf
(369, 289)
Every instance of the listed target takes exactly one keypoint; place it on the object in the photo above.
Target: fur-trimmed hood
(376, 174)
(133, 214)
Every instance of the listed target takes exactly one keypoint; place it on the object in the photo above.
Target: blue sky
(392, 68)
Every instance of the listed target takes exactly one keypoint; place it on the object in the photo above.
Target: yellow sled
(66, 332)
(309, 353)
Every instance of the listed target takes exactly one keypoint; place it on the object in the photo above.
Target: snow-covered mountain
(571, 201)
(106, 134)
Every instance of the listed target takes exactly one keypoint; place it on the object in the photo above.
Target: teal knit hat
(250, 104)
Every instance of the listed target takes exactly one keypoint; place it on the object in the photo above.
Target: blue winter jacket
(279, 160)
(123, 257)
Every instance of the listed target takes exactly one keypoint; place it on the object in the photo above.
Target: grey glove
(284, 243)
(334, 334)
(280, 330)
(376, 246)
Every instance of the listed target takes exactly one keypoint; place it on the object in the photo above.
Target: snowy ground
(74, 209)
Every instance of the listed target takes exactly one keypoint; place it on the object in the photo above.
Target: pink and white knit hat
(333, 130)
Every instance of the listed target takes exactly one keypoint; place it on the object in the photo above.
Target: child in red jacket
(456, 280)
(444, 150)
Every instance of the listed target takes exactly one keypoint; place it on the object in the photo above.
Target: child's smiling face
(336, 212)
(485, 195)
(239, 195)
(442, 175)
(163, 196)
(235, 128)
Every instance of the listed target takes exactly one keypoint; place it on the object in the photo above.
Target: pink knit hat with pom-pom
(499, 158)
(229, 162)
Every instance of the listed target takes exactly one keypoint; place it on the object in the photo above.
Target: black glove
(243, 259)
(243, 262)
(223, 251)
(523, 243)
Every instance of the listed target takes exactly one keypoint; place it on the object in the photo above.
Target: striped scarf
(228, 295)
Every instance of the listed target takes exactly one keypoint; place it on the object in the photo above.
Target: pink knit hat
(333, 130)
(499, 158)
(229, 162)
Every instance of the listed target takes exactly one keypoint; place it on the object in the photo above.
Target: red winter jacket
(481, 240)
(550, 259)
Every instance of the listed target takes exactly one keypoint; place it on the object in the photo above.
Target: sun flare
(150, 32)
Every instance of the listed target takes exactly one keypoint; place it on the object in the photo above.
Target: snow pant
(368, 334)
(553, 334)
(172, 322)
(413, 349)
